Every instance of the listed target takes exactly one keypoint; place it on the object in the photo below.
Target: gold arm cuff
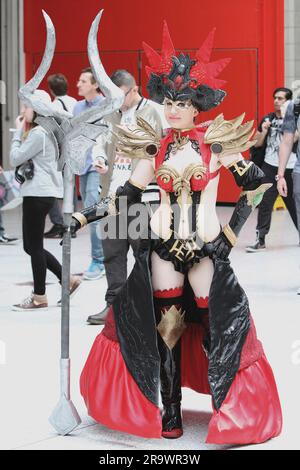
(230, 164)
(80, 217)
(137, 185)
(112, 209)
(230, 235)
(241, 170)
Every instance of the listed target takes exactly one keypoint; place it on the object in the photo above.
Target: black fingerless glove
(132, 192)
(219, 248)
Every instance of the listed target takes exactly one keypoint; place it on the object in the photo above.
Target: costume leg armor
(170, 326)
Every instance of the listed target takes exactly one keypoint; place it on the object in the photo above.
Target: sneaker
(98, 318)
(32, 302)
(74, 287)
(56, 231)
(4, 240)
(258, 246)
(95, 271)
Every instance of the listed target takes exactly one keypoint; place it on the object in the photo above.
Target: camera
(24, 172)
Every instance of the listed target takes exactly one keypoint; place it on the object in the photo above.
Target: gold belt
(184, 249)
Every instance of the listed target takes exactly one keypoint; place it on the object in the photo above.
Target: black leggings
(35, 210)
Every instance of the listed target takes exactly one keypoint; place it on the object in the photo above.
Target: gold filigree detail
(181, 181)
(230, 235)
(184, 249)
(241, 170)
(255, 196)
(112, 208)
(171, 325)
(179, 142)
(229, 137)
(141, 141)
(80, 218)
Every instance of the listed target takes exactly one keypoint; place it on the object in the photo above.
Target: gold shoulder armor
(229, 137)
(141, 141)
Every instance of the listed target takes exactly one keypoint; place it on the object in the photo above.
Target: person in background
(269, 137)
(42, 183)
(4, 239)
(115, 174)
(89, 179)
(58, 86)
(290, 131)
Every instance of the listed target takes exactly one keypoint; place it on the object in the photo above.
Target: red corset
(196, 176)
(197, 183)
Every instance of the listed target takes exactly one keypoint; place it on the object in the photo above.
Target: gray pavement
(30, 344)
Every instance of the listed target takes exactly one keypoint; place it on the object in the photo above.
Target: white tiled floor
(29, 373)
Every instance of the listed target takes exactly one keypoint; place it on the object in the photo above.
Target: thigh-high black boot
(170, 326)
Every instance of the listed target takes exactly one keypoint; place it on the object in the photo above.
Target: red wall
(251, 32)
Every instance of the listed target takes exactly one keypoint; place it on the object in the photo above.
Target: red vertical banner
(271, 52)
(251, 33)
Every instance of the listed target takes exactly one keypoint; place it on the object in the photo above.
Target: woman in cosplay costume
(182, 319)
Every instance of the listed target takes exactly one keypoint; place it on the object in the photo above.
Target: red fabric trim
(109, 329)
(203, 71)
(196, 133)
(214, 174)
(202, 302)
(251, 412)
(111, 395)
(168, 293)
(194, 363)
(252, 349)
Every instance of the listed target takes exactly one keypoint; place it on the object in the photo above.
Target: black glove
(132, 193)
(219, 248)
(74, 226)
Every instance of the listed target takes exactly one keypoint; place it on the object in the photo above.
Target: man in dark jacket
(115, 170)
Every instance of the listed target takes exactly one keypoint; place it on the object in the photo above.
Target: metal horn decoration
(111, 92)
(27, 90)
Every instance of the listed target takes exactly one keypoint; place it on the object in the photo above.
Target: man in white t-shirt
(115, 169)
(58, 86)
(268, 137)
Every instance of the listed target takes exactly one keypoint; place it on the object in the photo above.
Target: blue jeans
(89, 184)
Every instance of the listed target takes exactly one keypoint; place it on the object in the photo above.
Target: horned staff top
(73, 136)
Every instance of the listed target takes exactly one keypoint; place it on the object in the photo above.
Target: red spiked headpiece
(180, 77)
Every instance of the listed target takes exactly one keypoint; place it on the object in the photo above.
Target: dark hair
(93, 80)
(122, 77)
(203, 98)
(287, 91)
(58, 84)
